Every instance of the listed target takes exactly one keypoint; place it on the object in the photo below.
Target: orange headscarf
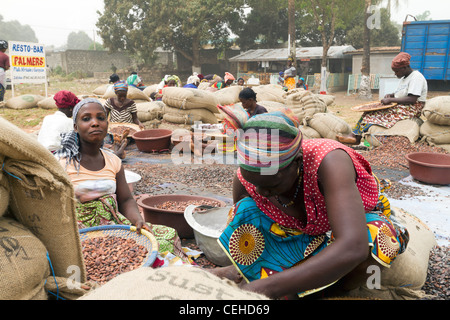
(401, 60)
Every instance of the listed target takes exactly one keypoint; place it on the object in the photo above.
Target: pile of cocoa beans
(107, 257)
(181, 205)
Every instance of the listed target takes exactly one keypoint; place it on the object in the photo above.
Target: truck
(428, 43)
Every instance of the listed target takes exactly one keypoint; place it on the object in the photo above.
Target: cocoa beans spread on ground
(107, 257)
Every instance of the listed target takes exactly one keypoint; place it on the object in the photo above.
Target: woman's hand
(142, 225)
(386, 101)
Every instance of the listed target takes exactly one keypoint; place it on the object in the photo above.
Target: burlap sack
(203, 115)
(328, 125)
(409, 128)
(328, 99)
(147, 111)
(100, 90)
(188, 98)
(204, 85)
(304, 103)
(435, 134)
(309, 133)
(150, 89)
(437, 110)
(170, 283)
(180, 118)
(133, 94)
(26, 101)
(269, 92)
(4, 194)
(41, 197)
(189, 116)
(408, 272)
(228, 95)
(23, 263)
(47, 103)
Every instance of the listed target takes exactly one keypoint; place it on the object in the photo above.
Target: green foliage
(141, 26)
(387, 35)
(14, 31)
(79, 41)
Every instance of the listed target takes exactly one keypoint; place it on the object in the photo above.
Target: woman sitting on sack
(98, 177)
(410, 97)
(289, 195)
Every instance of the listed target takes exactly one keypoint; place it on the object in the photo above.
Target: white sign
(27, 61)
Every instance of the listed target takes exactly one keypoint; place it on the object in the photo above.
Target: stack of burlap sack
(436, 128)
(37, 218)
(433, 127)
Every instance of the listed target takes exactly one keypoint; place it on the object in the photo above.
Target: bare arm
(410, 99)
(347, 220)
(126, 202)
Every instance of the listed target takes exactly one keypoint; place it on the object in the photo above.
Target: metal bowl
(208, 226)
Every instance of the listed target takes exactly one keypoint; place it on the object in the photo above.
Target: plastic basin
(152, 140)
(429, 167)
(173, 219)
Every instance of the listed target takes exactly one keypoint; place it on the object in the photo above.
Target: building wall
(87, 61)
(380, 63)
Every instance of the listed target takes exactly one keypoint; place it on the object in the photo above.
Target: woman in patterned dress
(98, 177)
(410, 97)
(306, 213)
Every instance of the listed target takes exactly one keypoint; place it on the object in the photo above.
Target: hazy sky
(53, 20)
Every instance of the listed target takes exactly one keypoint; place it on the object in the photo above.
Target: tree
(14, 31)
(262, 24)
(328, 14)
(79, 41)
(140, 26)
(291, 14)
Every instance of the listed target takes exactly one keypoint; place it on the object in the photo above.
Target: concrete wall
(380, 63)
(87, 61)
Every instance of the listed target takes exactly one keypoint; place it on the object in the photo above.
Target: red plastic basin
(429, 167)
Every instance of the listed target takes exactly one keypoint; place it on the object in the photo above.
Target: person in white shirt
(60, 122)
(410, 98)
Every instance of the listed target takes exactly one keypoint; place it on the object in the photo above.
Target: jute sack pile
(327, 98)
(409, 128)
(408, 272)
(204, 85)
(147, 111)
(328, 125)
(150, 89)
(189, 116)
(26, 101)
(304, 103)
(41, 197)
(435, 134)
(170, 283)
(437, 110)
(188, 98)
(47, 103)
(100, 90)
(269, 92)
(309, 133)
(228, 95)
(133, 94)
(23, 264)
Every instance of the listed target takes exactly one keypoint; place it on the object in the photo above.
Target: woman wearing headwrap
(121, 108)
(228, 80)
(98, 177)
(289, 194)
(135, 81)
(410, 97)
(58, 123)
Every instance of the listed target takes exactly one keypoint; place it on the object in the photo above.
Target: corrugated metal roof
(335, 52)
(377, 50)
